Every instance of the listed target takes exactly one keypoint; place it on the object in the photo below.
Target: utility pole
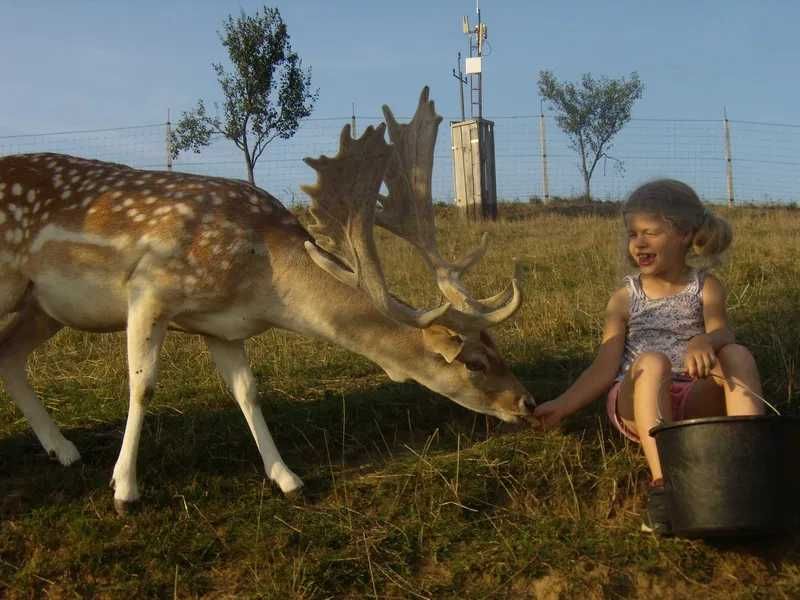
(461, 82)
(353, 122)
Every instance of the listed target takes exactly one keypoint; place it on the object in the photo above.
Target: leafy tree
(591, 113)
(266, 94)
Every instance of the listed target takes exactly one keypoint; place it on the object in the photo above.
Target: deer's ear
(443, 341)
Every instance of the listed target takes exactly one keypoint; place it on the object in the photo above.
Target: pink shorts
(678, 393)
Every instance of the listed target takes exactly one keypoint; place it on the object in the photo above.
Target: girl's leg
(644, 402)
(729, 389)
(737, 367)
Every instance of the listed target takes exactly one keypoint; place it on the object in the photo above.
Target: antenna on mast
(476, 35)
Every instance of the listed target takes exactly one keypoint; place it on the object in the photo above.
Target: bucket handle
(722, 379)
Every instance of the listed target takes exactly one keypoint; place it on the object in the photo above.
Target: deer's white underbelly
(236, 322)
(93, 304)
(82, 302)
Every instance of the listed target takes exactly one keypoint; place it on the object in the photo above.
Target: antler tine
(343, 208)
(407, 212)
(450, 277)
(475, 314)
(467, 319)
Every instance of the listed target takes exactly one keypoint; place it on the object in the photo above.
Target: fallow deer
(103, 247)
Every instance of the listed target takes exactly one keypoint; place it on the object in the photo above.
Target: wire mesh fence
(765, 162)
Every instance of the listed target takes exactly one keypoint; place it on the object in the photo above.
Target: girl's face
(655, 245)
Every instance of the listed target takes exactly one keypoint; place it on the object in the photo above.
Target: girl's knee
(735, 355)
(656, 363)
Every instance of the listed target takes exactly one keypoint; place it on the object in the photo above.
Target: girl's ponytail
(712, 237)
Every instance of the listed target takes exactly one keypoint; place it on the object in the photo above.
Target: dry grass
(410, 496)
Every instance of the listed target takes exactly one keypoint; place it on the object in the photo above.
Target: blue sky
(93, 64)
(85, 65)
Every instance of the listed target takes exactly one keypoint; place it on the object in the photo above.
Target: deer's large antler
(343, 205)
(408, 212)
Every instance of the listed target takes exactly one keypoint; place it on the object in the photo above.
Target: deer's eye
(475, 365)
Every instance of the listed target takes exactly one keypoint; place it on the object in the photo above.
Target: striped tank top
(663, 325)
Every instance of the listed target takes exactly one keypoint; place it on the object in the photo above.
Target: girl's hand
(700, 357)
(550, 413)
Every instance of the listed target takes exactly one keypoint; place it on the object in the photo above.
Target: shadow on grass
(209, 450)
(337, 433)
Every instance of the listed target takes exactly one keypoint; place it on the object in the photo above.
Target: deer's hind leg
(27, 330)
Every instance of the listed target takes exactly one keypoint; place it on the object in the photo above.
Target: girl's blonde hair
(678, 204)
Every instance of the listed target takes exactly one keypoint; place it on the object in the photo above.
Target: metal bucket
(730, 476)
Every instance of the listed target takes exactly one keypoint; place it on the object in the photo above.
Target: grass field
(409, 495)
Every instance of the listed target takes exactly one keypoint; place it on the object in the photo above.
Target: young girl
(667, 352)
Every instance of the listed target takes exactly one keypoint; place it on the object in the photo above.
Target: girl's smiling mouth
(645, 259)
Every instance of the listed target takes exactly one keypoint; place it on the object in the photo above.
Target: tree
(591, 113)
(266, 95)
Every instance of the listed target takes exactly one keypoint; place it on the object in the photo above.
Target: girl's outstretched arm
(701, 353)
(599, 376)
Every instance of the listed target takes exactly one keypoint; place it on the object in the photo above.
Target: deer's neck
(316, 304)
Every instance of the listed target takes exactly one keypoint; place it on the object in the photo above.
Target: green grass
(409, 495)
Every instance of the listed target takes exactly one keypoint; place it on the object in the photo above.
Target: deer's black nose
(527, 403)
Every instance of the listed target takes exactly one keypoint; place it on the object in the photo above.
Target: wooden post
(728, 157)
(488, 173)
(543, 148)
(168, 141)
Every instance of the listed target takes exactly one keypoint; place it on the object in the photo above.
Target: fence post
(169, 143)
(728, 157)
(353, 133)
(543, 148)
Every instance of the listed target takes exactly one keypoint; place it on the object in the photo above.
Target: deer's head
(461, 360)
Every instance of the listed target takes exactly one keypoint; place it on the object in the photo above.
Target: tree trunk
(249, 162)
(584, 171)
(587, 177)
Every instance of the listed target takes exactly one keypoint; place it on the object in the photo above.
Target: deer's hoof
(296, 495)
(64, 452)
(125, 508)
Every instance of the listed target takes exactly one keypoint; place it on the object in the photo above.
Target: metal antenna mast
(476, 37)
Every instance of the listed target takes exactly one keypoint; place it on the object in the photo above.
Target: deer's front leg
(147, 326)
(232, 363)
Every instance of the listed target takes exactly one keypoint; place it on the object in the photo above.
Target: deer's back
(86, 233)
